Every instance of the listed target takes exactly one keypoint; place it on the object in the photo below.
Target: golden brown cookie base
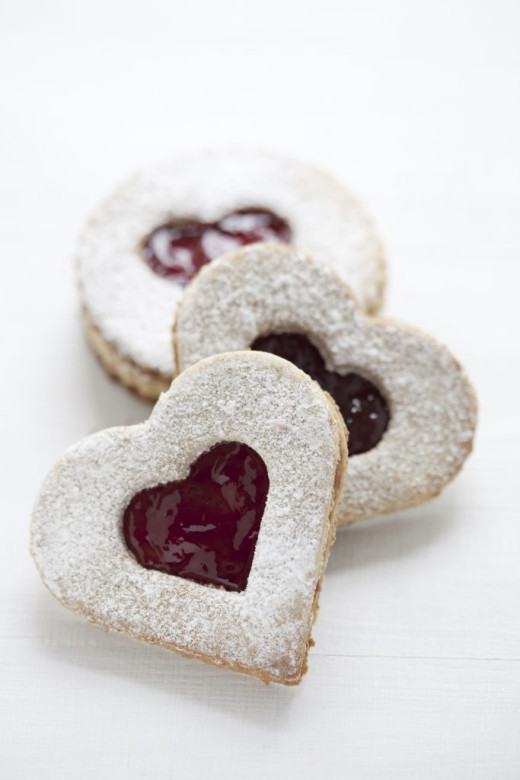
(145, 383)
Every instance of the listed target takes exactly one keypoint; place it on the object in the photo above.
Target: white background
(416, 669)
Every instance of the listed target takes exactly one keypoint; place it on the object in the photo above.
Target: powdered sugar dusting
(134, 308)
(77, 540)
(268, 289)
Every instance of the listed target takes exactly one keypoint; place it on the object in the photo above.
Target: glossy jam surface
(205, 527)
(363, 407)
(179, 250)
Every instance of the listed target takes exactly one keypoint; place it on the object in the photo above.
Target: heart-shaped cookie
(126, 527)
(155, 231)
(409, 407)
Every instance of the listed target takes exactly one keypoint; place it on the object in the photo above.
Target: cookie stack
(251, 281)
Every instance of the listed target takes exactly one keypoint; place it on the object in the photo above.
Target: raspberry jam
(363, 407)
(180, 249)
(203, 528)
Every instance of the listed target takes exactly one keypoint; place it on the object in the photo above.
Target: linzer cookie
(206, 529)
(154, 233)
(408, 405)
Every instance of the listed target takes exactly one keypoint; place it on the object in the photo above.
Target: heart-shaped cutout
(273, 296)
(180, 249)
(254, 400)
(364, 409)
(205, 527)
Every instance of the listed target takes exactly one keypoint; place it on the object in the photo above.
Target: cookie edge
(142, 382)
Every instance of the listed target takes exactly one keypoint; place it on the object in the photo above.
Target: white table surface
(416, 668)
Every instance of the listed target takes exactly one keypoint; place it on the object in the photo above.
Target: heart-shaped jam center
(203, 528)
(364, 409)
(179, 249)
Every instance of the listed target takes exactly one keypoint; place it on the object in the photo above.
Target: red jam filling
(203, 528)
(180, 249)
(364, 409)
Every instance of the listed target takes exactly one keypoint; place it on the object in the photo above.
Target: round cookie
(155, 230)
(206, 529)
(409, 406)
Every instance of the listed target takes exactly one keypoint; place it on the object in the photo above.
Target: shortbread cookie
(206, 529)
(153, 234)
(408, 405)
